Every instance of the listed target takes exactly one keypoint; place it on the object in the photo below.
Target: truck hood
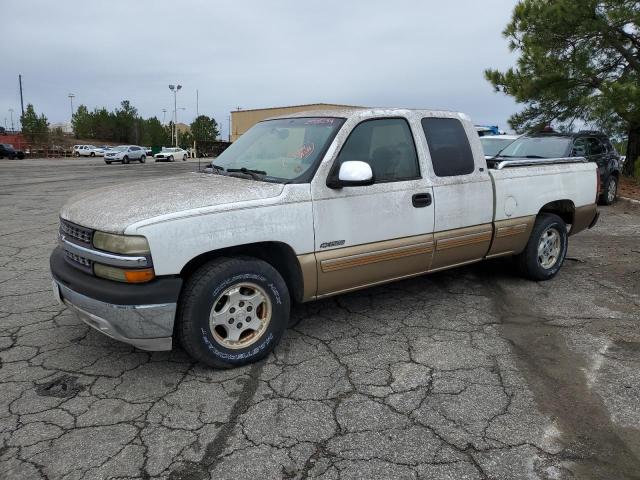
(113, 209)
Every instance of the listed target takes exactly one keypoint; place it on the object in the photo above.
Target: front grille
(76, 232)
(79, 262)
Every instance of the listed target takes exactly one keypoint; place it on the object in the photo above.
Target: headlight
(123, 275)
(127, 244)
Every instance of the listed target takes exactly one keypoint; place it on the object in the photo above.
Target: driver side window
(386, 145)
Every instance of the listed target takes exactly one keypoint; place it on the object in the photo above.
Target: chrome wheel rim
(611, 191)
(549, 248)
(240, 315)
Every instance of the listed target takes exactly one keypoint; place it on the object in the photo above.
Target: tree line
(125, 125)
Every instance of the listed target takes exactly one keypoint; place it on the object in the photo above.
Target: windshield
(285, 149)
(167, 149)
(121, 148)
(537, 147)
(492, 145)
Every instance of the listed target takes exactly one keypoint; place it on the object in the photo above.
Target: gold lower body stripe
(375, 257)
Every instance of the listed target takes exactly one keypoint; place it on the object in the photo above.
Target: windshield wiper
(533, 156)
(255, 174)
(213, 168)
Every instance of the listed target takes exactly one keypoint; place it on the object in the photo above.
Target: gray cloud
(255, 54)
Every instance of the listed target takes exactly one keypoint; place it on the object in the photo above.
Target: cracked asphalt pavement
(471, 373)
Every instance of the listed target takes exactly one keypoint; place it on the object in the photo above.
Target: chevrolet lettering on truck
(301, 208)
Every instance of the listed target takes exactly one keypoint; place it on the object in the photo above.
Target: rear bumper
(141, 315)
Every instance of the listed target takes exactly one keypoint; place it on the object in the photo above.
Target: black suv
(594, 146)
(7, 150)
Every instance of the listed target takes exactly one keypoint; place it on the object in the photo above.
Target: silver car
(124, 154)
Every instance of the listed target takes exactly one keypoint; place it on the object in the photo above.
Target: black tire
(170, 158)
(143, 159)
(529, 263)
(92, 154)
(609, 191)
(77, 154)
(125, 160)
(205, 287)
(108, 163)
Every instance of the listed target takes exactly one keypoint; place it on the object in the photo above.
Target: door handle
(421, 200)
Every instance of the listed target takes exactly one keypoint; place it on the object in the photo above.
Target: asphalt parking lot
(466, 374)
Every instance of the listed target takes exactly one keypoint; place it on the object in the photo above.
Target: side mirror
(353, 173)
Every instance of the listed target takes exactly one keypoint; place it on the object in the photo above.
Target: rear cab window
(449, 147)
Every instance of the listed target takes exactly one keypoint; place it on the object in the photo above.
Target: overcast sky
(254, 53)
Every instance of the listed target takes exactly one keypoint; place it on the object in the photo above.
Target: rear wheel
(143, 159)
(546, 249)
(233, 312)
(610, 191)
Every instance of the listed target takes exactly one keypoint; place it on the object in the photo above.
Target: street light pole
(164, 114)
(174, 89)
(11, 112)
(71, 95)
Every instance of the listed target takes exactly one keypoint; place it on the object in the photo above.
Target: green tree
(185, 139)
(82, 123)
(578, 60)
(35, 128)
(204, 129)
(125, 123)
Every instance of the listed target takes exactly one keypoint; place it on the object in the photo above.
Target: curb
(631, 200)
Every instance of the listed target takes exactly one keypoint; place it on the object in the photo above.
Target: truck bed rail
(496, 164)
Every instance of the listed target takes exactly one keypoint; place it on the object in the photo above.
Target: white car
(171, 154)
(87, 151)
(494, 144)
(303, 207)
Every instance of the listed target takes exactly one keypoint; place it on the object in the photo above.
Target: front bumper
(141, 315)
(137, 325)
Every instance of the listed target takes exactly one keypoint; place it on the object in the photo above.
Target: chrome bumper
(147, 327)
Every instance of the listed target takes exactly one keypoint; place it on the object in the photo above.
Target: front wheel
(125, 160)
(610, 191)
(233, 312)
(143, 159)
(92, 154)
(170, 158)
(108, 163)
(546, 249)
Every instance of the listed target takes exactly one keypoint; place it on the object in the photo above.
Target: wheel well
(565, 209)
(277, 254)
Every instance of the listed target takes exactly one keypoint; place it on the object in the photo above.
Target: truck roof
(365, 112)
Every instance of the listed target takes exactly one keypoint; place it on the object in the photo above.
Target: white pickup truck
(301, 208)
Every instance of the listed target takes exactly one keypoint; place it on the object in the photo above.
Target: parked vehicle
(148, 152)
(7, 150)
(171, 154)
(304, 207)
(592, 145)
(87, 151)
(124, 154)
(493, 144)
(484, 130)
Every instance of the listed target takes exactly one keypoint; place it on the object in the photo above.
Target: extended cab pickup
(301, 208)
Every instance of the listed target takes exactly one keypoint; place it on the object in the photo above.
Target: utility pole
(164, 114)
(71, 95)
(197, 110)
(21, 100)
(11, 112)
(229, 123)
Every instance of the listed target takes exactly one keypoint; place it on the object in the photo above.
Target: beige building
(243, 120)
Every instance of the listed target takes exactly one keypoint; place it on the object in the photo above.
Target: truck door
(371, 234)
(463, 194)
